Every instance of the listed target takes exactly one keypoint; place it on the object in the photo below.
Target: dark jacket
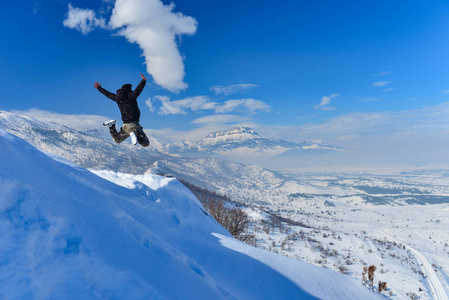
(126, 100)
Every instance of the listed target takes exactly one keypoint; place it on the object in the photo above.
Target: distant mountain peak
(233, 131)
(311, 142)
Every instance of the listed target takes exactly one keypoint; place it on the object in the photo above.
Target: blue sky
(334, 70)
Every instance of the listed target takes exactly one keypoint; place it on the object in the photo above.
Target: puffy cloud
(196, 103)
(325, 101)
(152, 25)
(83, 20)
(155, 27)
(168, 108)
(179, 107)
(232, 89)
(202, 103)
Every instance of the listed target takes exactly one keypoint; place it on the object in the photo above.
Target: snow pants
(126, 129)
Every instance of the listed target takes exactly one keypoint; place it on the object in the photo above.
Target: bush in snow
(343, 269)
(370, 272)
(382, 286)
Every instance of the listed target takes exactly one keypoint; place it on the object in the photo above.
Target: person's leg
(118, 137)
(141, 136)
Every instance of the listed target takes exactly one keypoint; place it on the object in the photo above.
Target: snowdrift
(66, 233)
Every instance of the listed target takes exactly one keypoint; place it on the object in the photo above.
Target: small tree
(217, 210)
(235, 220)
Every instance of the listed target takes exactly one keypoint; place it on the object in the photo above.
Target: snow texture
(66, 233)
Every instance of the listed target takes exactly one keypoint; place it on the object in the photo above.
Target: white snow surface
(66, 233)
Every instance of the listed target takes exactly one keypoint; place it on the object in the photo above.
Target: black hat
(126, 86)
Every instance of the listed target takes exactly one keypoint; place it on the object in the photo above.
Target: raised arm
(140, 87)
(103, 91)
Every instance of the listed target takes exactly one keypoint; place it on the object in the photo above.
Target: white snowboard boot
(133, 138)
(109, 123)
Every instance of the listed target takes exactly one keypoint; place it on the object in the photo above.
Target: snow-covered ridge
(66, 233)
(243, 142)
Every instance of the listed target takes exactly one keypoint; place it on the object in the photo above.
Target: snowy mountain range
(242, 142)
(96, 145)
(68, 234)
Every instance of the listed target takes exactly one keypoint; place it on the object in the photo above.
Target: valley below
(396, 220)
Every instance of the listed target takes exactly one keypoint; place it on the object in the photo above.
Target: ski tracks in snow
(436, 287)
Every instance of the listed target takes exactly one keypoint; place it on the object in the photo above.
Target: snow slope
(66, 233)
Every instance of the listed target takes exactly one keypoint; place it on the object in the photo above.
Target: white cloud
(432, 118)
(168, 108)
(220, 119)
(249, 105)
(325, 101)
(232, 89)
(196, 103)
(383, 73)
(180, 106)
(149, 104)
(203, 103)
(387, 90)
(152, 25)
(83, 20)
(381, 83)
(417, 136)
(445, 91)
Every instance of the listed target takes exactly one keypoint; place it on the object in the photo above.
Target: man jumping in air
(126, 100)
